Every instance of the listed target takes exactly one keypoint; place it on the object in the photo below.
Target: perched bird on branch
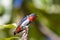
(25, 23)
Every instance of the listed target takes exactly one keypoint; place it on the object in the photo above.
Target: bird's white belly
(25, 22)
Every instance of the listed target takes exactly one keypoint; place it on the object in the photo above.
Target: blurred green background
(11, 11)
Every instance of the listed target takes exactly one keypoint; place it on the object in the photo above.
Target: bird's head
(32, 17)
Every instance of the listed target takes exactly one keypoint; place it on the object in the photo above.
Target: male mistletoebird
(24, 23)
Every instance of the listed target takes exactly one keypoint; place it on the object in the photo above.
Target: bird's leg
(25, 34)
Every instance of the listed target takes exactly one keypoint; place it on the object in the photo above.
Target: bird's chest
(25, 23)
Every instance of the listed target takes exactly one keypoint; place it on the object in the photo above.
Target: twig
(49, 33)
(25, 34)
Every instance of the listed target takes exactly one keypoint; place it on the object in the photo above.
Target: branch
(25, 34)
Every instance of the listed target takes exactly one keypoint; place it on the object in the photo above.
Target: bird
(25, 21)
